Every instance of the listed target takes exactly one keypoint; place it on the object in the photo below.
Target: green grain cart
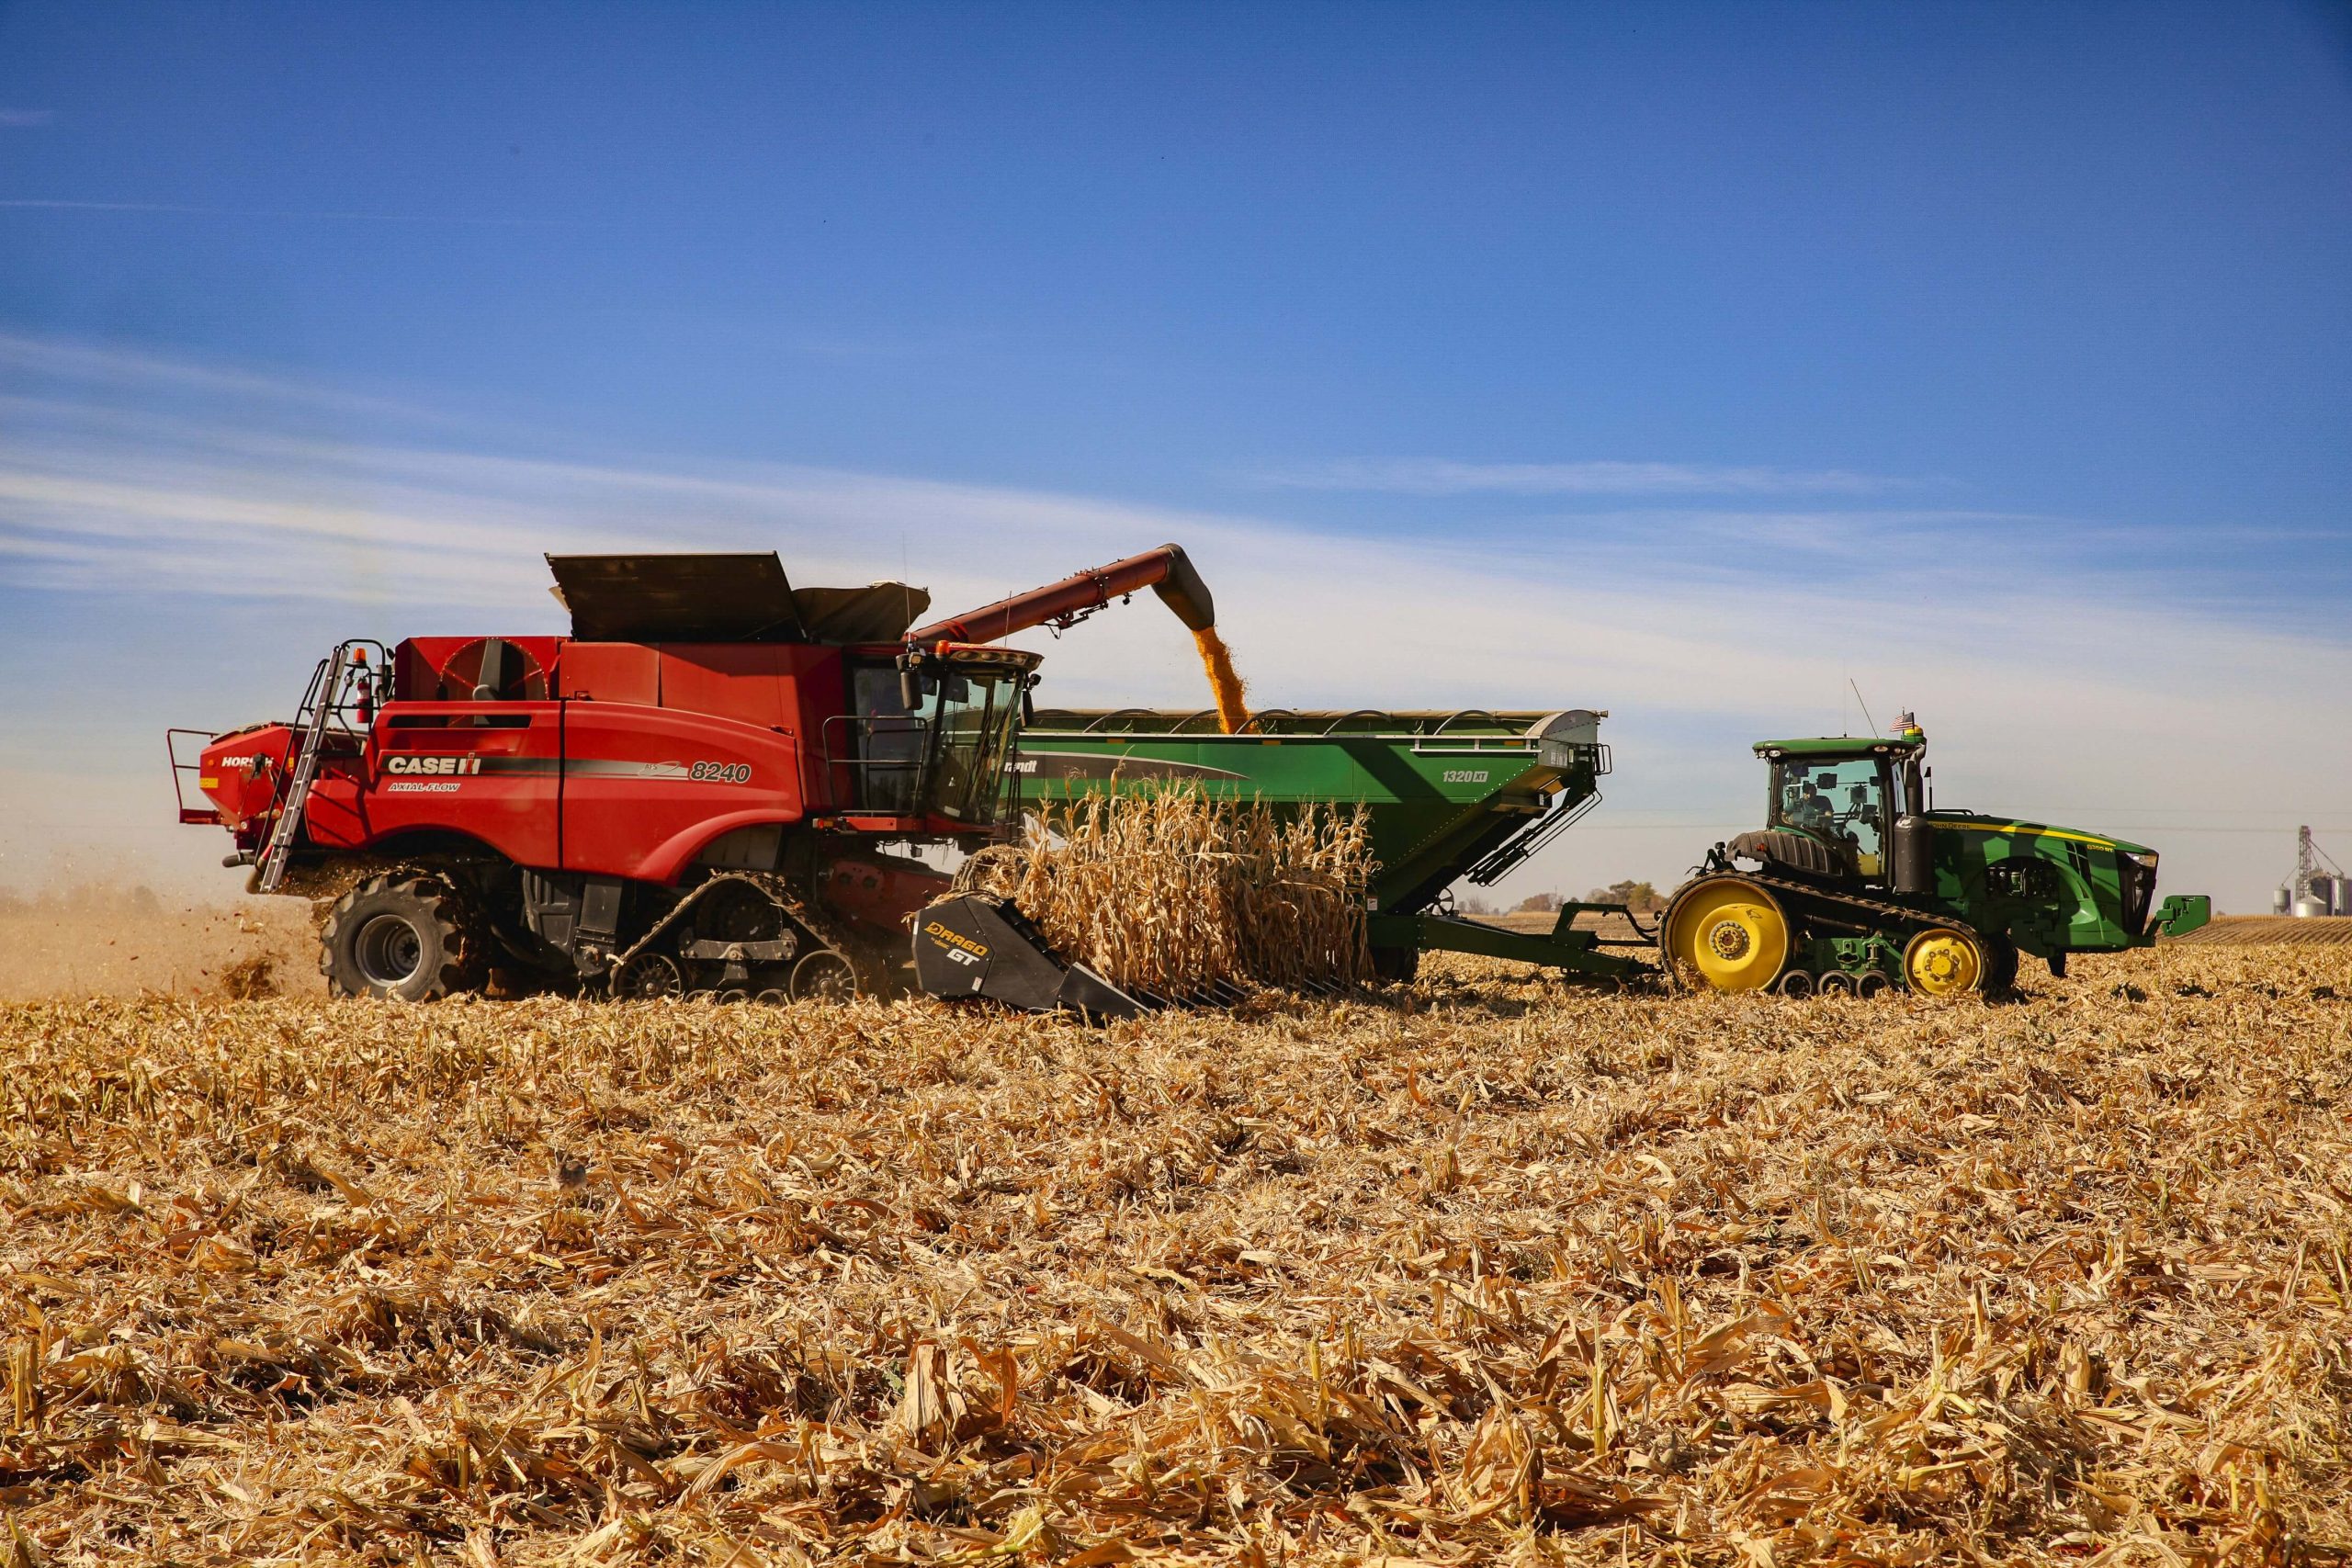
(1449, 796)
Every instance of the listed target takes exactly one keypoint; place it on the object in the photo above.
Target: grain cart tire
(1726, 933)
(404, 939)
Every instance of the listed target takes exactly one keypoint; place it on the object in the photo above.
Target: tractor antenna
(1866, 707)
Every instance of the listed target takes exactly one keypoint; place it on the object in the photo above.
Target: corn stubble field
(1484, 1269)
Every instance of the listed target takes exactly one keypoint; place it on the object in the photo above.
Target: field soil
(1483, 1271)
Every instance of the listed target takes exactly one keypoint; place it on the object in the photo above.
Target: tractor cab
(1834, 805)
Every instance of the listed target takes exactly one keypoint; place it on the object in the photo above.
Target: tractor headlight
(2145, 863)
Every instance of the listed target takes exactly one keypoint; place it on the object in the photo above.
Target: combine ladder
(282, 833)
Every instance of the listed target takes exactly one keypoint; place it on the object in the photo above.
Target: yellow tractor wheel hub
(1732, 934)
(1943, 963)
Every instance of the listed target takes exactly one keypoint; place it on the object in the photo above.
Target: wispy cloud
(26, 119)
(1441, 476)
(140, 379)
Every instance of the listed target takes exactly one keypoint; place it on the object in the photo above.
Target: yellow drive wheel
(1731, 932)
(1943, 963)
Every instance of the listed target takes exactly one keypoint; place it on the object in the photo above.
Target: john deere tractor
(1855, 884)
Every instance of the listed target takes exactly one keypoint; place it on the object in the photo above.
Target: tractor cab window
(1843, 804)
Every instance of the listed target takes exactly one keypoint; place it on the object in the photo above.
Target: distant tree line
(1638, 896)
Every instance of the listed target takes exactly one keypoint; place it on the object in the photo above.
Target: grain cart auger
(716, 783)
(1856, 883)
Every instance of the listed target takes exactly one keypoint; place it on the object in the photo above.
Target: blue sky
(1687, 361)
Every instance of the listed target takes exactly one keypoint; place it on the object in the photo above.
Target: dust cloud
(104, 939)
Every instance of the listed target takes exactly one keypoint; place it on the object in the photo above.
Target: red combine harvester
(716, 783)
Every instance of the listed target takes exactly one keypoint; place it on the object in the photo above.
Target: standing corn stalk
(1171, 892)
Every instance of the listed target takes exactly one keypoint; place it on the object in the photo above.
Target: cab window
(970, 713)
(889, 742)
(1838, 803)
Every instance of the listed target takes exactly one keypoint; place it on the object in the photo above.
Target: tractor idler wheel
(1873, 984)
(1837, 983)
(1795, 983)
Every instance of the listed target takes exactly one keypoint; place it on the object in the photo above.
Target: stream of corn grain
(1231, 691)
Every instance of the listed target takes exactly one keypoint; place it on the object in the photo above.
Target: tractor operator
(1813, 812)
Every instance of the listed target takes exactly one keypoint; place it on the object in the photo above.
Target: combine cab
(1855, 884)
(716, 785)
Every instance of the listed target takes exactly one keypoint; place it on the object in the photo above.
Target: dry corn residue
(1231, 693)
(1179, 895)
(1479, 1271)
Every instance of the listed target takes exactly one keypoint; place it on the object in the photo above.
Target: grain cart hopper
(716, 783)
(1447, 795)
(1856, 883)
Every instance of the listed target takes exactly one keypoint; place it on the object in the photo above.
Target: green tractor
(1856, 883)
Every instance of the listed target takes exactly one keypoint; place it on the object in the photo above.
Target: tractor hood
(1973, 823)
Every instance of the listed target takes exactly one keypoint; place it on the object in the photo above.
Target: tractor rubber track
(1902, 915)
(1804, 899)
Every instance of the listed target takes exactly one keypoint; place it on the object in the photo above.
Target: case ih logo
(408, 766)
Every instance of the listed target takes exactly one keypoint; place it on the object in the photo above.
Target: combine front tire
(405, 939)
(1729, 930)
